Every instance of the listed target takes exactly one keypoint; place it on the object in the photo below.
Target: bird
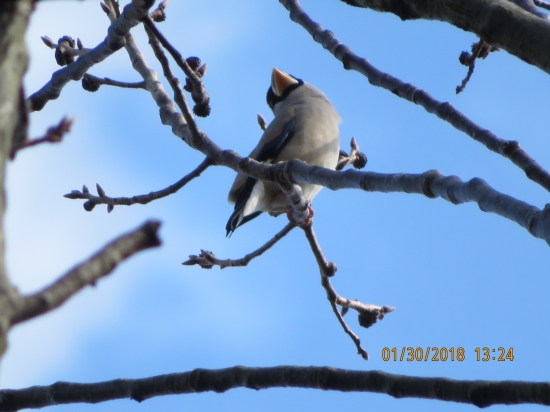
(305, 127)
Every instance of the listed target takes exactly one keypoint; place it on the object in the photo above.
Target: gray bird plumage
(305, 127)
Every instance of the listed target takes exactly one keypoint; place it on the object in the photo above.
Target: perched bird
(305, 127)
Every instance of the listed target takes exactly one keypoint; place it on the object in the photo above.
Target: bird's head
(282, 84)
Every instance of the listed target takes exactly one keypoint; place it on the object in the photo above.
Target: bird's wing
(271, 149)
(276, 136)
(267, 150)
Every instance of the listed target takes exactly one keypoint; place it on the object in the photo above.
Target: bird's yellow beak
(280, 81)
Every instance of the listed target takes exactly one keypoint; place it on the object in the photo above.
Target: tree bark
(14, 18)
(499, 23)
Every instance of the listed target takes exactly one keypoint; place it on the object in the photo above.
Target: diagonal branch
(54, 134)
(92, 83)
(542, 4)
(368, 314)
(115, 39)
(207, 260)
(198, 93)
(432, 184)
(445, 111)
(496, 22)
(479, 393)
(87, 273)
(93, 201)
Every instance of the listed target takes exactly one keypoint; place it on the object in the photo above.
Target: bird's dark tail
(236, 220)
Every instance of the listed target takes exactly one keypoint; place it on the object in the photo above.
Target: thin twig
(53, 135)
(88, 272)
(196, 137)
(175, 84)
(470, 60)
(206, 260)
(91, 83)
(158, 15)
(368, 314)
(199, 95)
(115, 39)
(445, 111)
(332, 300)
(327, 269)
(103, 199)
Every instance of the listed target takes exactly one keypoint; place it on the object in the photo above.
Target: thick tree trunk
(14, 18)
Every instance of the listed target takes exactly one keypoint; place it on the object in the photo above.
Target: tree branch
(479, 393)
(87, 273)
(92, 83)
(445, 111)
(496, 22)
(206, 260)
(93, 201)
(54, 134)
(130, 17)
(432, 184)
(542, 4)
(198, 92)
(368, 314)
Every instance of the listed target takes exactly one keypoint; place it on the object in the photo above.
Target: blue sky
(458, 277)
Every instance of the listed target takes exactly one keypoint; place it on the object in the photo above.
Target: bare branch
(206, 260)
(327, 269)
(133, 12)
(445, 111)
(469, 60)
(198, 92)
(542, 4)
(141, 199)
(175, 84)
(87, 273)
(158, 15)
(53, 135)
(479, 393)
(496, 22)
(92, 83)
(331, 296)
(432, 184)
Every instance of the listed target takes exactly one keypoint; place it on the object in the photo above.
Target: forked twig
(368, 314)
(103, 199)
(198, 92)
(206, 260)
(469, 60)
(115, 39)
(53, 135)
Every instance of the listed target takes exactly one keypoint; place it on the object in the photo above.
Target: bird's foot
(290, 211)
